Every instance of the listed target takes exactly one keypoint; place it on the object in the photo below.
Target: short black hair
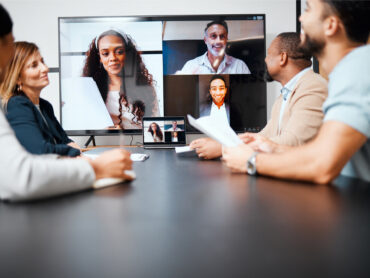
(355, 17)
(289, 42)
(218, 22)
(216, 76)
(6, 23)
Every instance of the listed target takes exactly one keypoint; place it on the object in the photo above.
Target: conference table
(186, 217)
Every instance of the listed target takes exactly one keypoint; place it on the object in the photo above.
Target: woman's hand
(74, 145)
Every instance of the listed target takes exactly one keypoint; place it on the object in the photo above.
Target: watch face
(251, 165)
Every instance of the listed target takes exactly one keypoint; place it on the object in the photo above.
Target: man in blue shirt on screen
(215, 60)
(336, 32)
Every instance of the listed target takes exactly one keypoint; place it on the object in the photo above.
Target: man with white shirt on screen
(174, 127)
(215, 60)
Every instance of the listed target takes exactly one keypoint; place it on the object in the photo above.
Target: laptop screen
(162, 131)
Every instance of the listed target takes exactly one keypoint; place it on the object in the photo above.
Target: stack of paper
(217, 130)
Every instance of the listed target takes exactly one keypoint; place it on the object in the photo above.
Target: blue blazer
(33, 133)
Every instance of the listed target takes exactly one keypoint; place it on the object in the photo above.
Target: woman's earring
(19, 89)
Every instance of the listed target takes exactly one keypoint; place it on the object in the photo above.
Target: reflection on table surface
(183, 217)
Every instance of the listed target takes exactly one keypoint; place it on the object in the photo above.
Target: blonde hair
(9, 86)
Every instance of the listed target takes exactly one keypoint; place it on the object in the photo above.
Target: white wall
(37, 21)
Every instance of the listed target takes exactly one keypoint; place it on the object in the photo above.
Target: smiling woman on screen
(124, 82)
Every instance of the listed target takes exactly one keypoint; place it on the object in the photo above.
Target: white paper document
(183, 149)
(82, 105)
(219, 131)
(104, 182)
(133, 156)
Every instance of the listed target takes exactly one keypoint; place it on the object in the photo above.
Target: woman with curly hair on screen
(124, 82)
(156, 132)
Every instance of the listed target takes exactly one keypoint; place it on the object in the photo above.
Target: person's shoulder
(19, 99)
(191, 65)
(17, 103)
(194, 61)
(354, 66)
(44, 103)
(234, 59)
(19, 107)
(237, 64)
(205, 109)
(312, 77)
(359, 54)
(311, 84)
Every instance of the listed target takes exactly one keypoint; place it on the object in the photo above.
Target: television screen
(116, 70)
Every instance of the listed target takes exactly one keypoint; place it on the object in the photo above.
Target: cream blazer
(303, 113)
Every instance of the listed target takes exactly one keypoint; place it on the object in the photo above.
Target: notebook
(164, 132)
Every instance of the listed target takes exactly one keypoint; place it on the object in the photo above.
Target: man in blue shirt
(342, 146)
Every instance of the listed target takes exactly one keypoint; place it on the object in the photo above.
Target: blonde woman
(32, 117)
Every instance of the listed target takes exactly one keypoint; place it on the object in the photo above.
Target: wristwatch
(251, 164)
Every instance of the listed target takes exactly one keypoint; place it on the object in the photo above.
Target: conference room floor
(183, 217)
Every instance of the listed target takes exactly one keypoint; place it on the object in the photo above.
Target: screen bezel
(103, 132)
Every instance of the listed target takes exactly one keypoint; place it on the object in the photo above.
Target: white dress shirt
(201, 65)
(219, 113)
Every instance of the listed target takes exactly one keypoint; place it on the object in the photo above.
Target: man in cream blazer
(297, 114)
(302, 115)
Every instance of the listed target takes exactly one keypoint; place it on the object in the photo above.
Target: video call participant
(337, 38)
(297, 114)
(112, 56)
(174, 136)
(24, 176)
(174, 127)
(216, 105)
(31, 117)
(215, 60)
(156, 132)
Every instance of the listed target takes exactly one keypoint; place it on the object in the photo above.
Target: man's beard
(267, 77)
(313, 46)
(216, 53)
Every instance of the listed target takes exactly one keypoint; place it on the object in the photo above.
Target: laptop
(164, 132)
